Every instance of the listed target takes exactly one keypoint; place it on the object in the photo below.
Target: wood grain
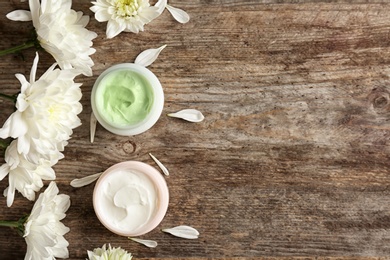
(293, 158)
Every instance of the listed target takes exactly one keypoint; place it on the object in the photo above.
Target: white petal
(191, 115)
(147, 57)
(23, 81)
(114, 28)
(23, 145)
(83, 19)
(21, 103)
(147, 243)
(4, 170)
(34, 68)
(19, 15)
(162, 167)
(10, 193)
(183, 232)
(149, 14)
(92, 125)
(161, 4)
(27, 228)
(14, 126)
(35, 10)
(101, 15)
(180, 15)
(77, 183)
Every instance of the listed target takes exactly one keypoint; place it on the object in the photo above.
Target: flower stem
(18, 48)
(18, 225)
(12, 98)
(3, 144)
(14, 224)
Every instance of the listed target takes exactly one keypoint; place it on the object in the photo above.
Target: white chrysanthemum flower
(23, 175)
(46, 111)
(61, 32)
(111, 253)
(44, 232)
(124, 15)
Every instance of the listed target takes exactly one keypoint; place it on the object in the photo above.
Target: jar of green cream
(127, 99)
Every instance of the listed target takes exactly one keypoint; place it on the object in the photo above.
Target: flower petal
(180, 15)
(101, 15)
(114, 28)
(5, 192)
(19, 15)
(147, 57)
(21, 103)
(183, 232)
(4, 170)
(23, 145)
(77, 183)
(161, 4)
(10, 193)
(149, 14)
(23, 81)
(27, 228)
(147, 243)
(34, 8)
(92, 127)
(162, 167)
(191, 115)
(34, 67)
(14, 126)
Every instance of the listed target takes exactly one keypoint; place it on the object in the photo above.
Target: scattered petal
(180, 15)
(147, 243)
(77, 183)
(191, 115)
(147, 57)
(183, 232)
(92, 124)
(162, 167)
(20, 15)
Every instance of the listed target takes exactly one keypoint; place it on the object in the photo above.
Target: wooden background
(293, 157)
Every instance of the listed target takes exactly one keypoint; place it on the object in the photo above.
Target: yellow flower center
(53, 112)
(126, 8)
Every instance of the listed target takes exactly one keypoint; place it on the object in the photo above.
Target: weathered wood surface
(293, 157)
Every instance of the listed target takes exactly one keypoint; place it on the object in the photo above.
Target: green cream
(124, 97)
